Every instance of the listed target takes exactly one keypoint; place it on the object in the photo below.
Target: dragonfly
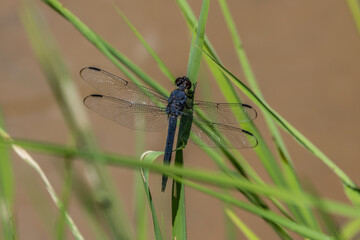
(141, 108)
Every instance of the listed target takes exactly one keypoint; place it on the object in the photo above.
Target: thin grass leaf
(117, 58)
(178, 191)
(30, 161)
(351, 189)
(295, 227)
(351, 229)
(165, 70)
(150, 157)
(73, 111)
(60, 229)
(271, 216)
(229, 92)
(302, 214)
(328, 222)
(303, 230)
(263, 151)
(93, 212)
(354, 7)
(6, 190)
(216, 179)
(140, 197)
(241, 225)
(231, 232)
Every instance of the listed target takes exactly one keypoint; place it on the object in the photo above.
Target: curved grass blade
(263, 151)
(241, 225)
(60, 229)
(216, 179)
(165, 70)
(228, 91)
(350, 188)
(117, 58)
(6, 191)
(70, 104)
(351, 229)
(354, 7)
(149, 157)
(231, 232)
(30, 161)
(269, 215)
(178, 191)
(140, 198)
(302, 214)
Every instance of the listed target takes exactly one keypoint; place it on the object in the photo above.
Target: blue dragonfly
(140, 108)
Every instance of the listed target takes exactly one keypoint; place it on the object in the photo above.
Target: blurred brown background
(305, 55)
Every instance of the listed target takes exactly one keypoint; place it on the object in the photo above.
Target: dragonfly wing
(209, 134)
(115, 86)
(130, 115)
(226, 113)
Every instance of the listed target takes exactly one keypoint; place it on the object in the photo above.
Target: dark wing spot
(94, 68)
(245, 105)
(247, 132)
(96, 95)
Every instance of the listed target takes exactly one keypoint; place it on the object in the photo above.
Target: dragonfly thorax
(176, 102)
(178, 97)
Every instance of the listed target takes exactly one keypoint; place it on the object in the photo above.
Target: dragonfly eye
(183, 81)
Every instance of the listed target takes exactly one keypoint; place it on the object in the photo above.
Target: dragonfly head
(183, 83)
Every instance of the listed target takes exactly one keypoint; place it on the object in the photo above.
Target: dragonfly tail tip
(163, 183)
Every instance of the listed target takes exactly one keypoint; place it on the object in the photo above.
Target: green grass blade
(74, 114)
(350, 188)
(165, 70)
(220, 180)
(302, 214)
(354, 7)
(269, 215)
(351, 229)
(178, 190)
(93, 211)
(150, 157)
(231, 232)
(140, 198)
(60, 230)
(117, 58)
(30, 161)
(6, 190)
(228, 91)
(196, 48)
(178, 210)
(241, 225)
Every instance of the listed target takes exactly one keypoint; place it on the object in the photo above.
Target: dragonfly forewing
(115, 86)
(131, 115)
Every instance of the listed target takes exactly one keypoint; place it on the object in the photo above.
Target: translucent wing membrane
(209, 134)
(117, 87)
(227, 113)
(130, 115)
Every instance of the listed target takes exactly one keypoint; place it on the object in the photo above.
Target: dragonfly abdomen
(169, 146)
